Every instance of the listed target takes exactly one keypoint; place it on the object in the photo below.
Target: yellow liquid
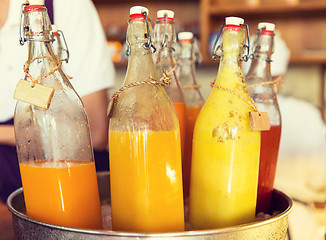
(146, 181)
(225, 160)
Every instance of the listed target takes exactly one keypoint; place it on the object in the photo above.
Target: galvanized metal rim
(242, 227)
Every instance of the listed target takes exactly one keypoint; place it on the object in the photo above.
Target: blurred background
(301, 24)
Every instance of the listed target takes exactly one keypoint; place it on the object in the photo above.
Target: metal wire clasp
(216, 46)
(65, 48)
(22, 28)
(149, 44)
(246, 56)
(163, 43)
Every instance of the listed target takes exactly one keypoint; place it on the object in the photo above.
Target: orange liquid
(62, 193)
(180, 109)
(146, 181)
(191, 116)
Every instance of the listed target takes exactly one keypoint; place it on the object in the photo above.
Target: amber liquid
(270, 142)
(180, 109)
(62, 193)
(191, 116)
(146, 181)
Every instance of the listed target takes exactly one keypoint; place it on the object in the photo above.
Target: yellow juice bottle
(225, 154)
(144, 143)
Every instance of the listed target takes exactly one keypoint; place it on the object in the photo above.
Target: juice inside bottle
(270, 142)
(180, 109)
(225, 156)
(50, 189)
(150, 193)
(191, 116)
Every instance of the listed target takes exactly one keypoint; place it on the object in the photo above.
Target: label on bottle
(38, 95)
(259, 121)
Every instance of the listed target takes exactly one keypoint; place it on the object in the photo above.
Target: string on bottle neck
(194, 86)
(249, 101)
(163, 82)
(39, 79)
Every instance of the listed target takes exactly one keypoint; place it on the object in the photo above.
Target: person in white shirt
(90, 67)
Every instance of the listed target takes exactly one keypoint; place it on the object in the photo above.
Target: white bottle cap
(36, 2)
(185, 35)
(161, 13)
(234, 20)
(267, 26)
(138, 10)
(54, 28)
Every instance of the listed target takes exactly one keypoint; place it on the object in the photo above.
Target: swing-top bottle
(165, 40)
(186, 56)
(144, 143)
(52, 134)
(261, 88)
(225, 157)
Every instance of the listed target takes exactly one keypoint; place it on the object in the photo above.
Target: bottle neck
(41, 59)
(230, 70)
(231, 62)
(140, 63)
(260, 65)
(186, 61)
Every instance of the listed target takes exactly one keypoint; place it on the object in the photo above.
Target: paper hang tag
(39, 95)
(259, 121)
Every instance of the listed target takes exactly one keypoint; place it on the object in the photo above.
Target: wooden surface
(6, 228)
(302, 26)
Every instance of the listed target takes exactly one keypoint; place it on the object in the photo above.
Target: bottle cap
(185, 35)
(138, 10)
(267, 26)
(162, 13)
(36, 2)
(54, 28)
(234, 21)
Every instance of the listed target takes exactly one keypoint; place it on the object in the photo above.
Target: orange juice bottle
(52, 135)
(186, 57)
(225, 154)
(164, 40)
(144, 143)
(260, 86)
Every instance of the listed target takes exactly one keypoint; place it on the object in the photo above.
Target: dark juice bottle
(260, 86)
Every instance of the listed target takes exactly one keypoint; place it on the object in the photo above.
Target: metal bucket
(26, 228)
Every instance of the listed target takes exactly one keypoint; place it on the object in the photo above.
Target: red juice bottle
(260, 86)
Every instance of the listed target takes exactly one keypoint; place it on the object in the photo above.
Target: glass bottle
(165, 39)
(144, 143)
(260, 86)
(225, 157)
(53, 145)
(59, 44)
(185, 72)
